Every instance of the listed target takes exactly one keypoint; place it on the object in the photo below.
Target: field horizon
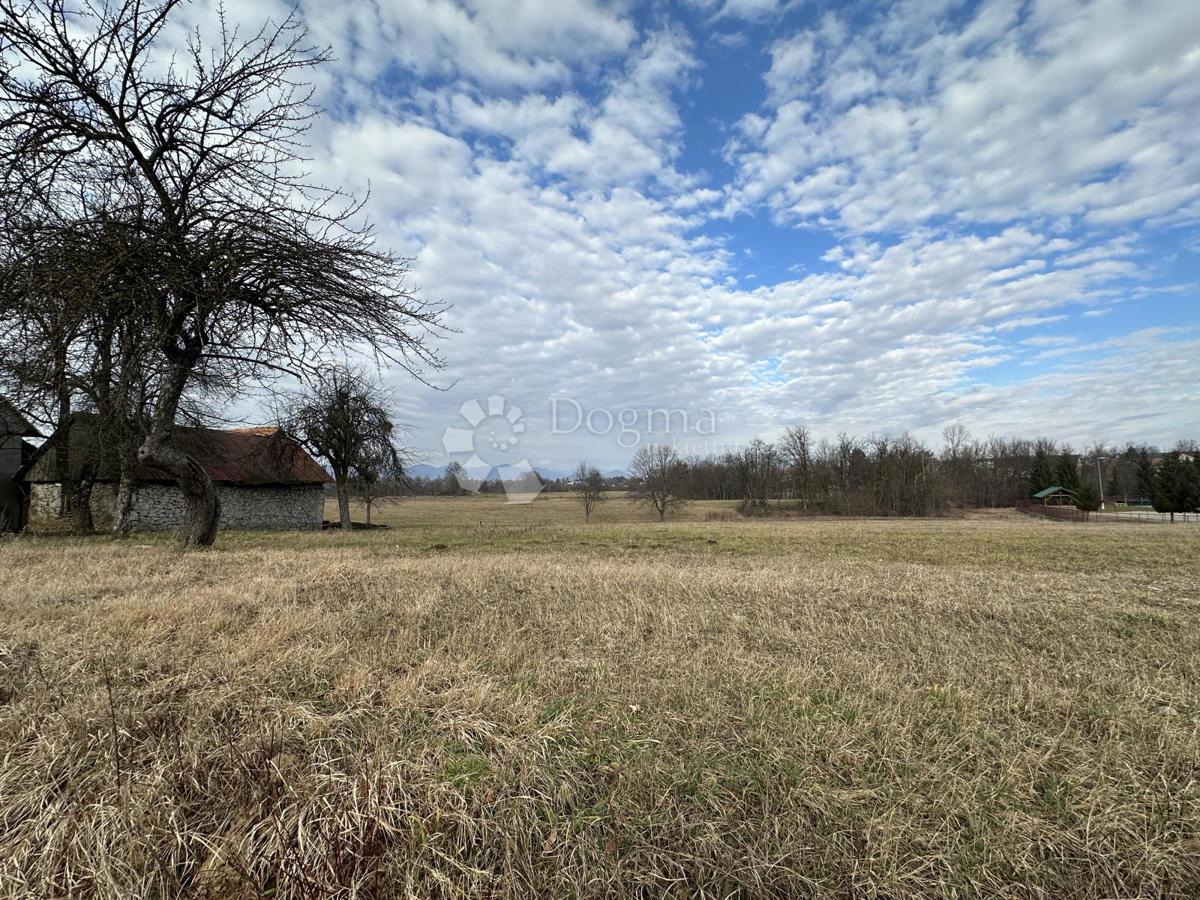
(492, 700)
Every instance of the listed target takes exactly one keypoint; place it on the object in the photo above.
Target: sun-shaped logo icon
(495, 430)
(496, 426)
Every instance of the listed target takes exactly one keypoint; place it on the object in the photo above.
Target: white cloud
(791, 61)
(535, 174)
(496, 43)
(632, 134)
(1081, 110)
(747, 10)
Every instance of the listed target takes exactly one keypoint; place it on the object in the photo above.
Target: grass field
(496, 701)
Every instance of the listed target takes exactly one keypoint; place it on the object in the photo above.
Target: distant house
(1056, 496)
(15, 451)
(265, 481)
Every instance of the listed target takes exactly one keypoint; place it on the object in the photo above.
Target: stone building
(15, 451)
(265, 481)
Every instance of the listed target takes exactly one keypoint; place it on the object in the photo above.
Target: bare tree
(796, 452)
(456, 480)
(658, 476)
(759, 471)
(958, 463)
(71, 340)
(344, 419)
(380, 477)
(589, 486)
(252, 268)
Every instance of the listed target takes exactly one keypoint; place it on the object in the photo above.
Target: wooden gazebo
(1056, 495)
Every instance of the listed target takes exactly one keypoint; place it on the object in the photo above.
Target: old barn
(264, 479)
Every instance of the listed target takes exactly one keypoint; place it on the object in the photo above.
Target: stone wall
(43, 503)
(273, 508)
(159, 507)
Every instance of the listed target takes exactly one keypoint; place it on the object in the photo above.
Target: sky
(703, 221)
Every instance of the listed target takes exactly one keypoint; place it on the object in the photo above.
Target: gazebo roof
(1051, 491)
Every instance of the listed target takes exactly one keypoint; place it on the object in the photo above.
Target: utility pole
(1100, 479)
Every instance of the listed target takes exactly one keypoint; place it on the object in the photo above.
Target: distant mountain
(424, 470)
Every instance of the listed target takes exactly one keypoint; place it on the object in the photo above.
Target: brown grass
(500, 701)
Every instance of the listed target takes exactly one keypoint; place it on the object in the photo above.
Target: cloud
(632, 134)
(509, 44)
(970, 185)
(1080, 111)
(745, 10)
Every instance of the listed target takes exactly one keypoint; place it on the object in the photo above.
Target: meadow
(485, 700)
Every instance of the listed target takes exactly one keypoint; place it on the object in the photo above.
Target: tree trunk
(62, 451)
(123, 522)
(81, 506)
(202, 505)
(343, 498)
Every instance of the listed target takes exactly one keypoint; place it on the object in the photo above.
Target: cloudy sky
(761, 212)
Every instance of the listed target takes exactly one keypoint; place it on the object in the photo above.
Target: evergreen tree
(1145, 474)
(1067, 472)
(1113, 491)
(1040, 477)
(1087, 498)
(1176, 486)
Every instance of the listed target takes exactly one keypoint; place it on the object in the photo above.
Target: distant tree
(958, 463)
(1040, 477)
(1086, 497)
(589, 485)
(455, 479)
(758, 471)
(379, 478)
(1115, 486)
(796, 453)
(1066, 473)
(1176, 486)
(659, 478)
(344, 418)
(1145, 474)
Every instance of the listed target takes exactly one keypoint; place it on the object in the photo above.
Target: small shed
(1056, 495)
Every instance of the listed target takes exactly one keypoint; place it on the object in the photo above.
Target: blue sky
(862, 217)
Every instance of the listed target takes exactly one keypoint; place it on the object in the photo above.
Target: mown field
(495, 701)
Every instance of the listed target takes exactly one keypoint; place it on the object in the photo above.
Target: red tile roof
(246, 456)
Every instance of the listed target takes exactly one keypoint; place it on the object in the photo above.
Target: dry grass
(495, 701)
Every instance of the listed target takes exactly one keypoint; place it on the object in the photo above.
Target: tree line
(875, 476)
(901, 476)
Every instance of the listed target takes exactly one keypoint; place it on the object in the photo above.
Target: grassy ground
(485, 700)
